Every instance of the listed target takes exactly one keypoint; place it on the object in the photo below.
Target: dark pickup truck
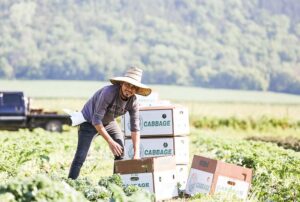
(15, 113)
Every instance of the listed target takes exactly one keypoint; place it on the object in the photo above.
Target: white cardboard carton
(157, 175)
(182, 175)
(153, 97)
(166, 146)
(152, 100)
(160, 121)
(213, 176)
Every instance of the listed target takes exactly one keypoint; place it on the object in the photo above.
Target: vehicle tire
(54, 126)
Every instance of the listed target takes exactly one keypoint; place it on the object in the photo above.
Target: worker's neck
(123, 97)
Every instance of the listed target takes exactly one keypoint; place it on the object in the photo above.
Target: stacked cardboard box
(152, 100)
(164, 138)
(155, 174)
(164, 131)
(214, 176)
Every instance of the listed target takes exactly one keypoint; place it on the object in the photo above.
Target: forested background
(250, 45)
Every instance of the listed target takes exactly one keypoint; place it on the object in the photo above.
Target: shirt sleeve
(101, 105)
(134, 117)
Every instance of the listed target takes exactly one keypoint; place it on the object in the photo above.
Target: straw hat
(134, 77)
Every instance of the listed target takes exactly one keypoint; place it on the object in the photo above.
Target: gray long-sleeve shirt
(106, 104)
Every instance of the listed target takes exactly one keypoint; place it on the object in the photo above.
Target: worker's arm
(135, 136)
(116, 149)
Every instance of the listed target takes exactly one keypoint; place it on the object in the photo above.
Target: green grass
(26, 153)
(84, 89)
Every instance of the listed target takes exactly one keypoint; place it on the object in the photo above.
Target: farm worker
(100, 112)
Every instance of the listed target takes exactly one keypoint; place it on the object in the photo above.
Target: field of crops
(262, 136)
(27, 157)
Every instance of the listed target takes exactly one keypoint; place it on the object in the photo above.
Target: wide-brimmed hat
(133, 76)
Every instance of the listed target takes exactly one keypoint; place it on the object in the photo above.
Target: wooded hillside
(252, 45)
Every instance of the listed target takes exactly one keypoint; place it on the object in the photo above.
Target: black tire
(54, 126)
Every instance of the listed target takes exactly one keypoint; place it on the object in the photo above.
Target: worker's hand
(116, 149)
(136, 156)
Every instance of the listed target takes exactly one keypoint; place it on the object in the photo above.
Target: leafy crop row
(42, 188)
(261, 124)
(108, 188)
(287, 142)
(276, 170)
(38, 188)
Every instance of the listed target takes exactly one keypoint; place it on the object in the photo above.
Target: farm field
(264, 136)
(26, 155)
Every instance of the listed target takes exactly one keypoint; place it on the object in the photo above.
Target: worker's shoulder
(109, 91)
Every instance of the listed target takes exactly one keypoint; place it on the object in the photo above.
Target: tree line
(249, 45)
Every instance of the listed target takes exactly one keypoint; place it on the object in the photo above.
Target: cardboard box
(157, 175)
(153, 97)
(160, 121)
(158, 103)
(182, 175)
(166, 146)
(214, 176)
(152, 100)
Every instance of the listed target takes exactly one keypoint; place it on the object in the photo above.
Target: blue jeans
(86, 133)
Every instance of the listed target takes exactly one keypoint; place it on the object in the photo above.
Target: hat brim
(142, 88)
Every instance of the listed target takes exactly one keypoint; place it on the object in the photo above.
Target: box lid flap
(145, 165)
(205, 164)
(173, 106)
(234, 171)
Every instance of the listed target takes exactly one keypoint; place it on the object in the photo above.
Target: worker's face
(128, 89)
